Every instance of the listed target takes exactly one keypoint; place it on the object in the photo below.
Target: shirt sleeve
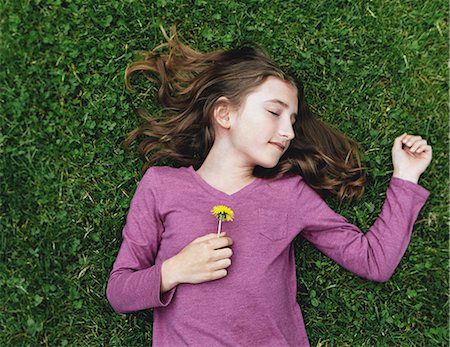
(376, 254)
(135, 280)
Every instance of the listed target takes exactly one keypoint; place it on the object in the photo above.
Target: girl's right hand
(411, 155)
(204, 259)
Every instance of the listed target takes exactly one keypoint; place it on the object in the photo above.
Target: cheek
(259, 132)
(255, 129)
(264, 123)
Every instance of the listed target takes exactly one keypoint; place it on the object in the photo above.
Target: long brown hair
(191, 82)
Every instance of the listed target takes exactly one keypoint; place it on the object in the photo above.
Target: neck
(225, 170)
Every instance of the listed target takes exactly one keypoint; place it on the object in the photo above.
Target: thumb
(398, 142)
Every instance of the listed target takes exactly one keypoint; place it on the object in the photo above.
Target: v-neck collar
(216, 192)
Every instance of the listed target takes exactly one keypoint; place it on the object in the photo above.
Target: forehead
(276, 91)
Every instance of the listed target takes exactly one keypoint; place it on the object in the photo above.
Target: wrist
(408, 176)
(169, 277)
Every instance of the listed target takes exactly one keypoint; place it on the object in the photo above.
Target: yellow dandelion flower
(222, 213)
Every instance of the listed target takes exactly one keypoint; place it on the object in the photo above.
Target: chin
(269, 165)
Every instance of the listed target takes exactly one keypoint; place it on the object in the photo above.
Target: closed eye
(274, 113)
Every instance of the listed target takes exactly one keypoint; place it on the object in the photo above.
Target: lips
(280, 146)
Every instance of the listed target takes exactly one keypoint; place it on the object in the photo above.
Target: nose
(287, 132)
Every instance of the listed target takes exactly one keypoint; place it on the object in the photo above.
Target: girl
(241, 135)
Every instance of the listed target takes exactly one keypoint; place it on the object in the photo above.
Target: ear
(222, 112)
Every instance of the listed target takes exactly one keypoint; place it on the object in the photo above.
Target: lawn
(372, 69)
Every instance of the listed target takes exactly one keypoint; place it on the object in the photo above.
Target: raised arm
(376, 254)
(135, 280)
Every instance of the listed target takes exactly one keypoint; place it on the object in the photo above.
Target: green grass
(372, 69)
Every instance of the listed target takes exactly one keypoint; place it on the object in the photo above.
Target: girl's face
(262, 129)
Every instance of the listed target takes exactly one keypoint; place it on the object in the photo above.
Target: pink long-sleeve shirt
(255, 304)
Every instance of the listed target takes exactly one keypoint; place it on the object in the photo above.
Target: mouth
(278, 145)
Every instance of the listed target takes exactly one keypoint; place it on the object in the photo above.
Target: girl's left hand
(411, 155)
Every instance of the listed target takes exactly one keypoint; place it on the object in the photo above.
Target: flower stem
(219, 227)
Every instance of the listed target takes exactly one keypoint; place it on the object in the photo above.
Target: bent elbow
(381, 277)
(115, 305)
(379, 270)
(114, 299)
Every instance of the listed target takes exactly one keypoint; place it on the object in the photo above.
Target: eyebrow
(282, 103)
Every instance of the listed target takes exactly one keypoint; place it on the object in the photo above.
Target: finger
(402, 136)
(424, 149)
(416, 148)
(410, 139)
(406, 138)
(417, 144)
(398, 141)
(221, 264)
(219, 274)
(221, 242)
(222, 253)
